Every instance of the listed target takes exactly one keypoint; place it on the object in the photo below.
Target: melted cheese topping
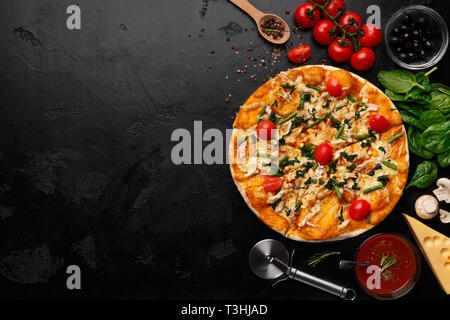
(321, 190)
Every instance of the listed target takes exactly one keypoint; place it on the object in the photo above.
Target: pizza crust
(280, 224)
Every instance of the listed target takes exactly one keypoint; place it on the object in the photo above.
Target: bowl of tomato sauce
(393, 266)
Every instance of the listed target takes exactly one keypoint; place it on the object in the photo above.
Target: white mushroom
(443, 190)
(427, 207)
(445, 216)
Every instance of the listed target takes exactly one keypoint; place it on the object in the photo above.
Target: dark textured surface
(85, 171)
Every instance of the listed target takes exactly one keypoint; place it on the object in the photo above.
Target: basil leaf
(415, 144)
(426, 173)
(398, 81)
(394, 96)
(440, 101)
(436, 138)
(424, 81)
(430, 117)
(441, 87)
(409, 118)
(418, 95)
(444, 159)
(413, 108)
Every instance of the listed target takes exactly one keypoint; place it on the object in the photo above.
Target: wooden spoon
(260, 18)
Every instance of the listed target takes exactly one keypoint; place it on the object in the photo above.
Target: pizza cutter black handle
(330, 287)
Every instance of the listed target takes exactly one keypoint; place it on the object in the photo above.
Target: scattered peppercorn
(274, 28)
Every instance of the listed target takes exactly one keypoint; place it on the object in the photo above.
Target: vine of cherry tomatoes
(343, 32)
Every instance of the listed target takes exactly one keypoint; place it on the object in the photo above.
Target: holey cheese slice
(436, 249)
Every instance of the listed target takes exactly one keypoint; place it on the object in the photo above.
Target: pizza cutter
(269, 259)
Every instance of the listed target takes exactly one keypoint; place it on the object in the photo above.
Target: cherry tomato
(264, 129)
(333, 87)
(305, 16)
(333, 7)
(340, 53)
(351, 17)
(359, 209)
(372, 36)
(379, 123)
(321, 32)
(271, 183)
(323, 153)
(300, 53)
(363, 59)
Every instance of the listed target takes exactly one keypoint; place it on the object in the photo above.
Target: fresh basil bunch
(425, 107)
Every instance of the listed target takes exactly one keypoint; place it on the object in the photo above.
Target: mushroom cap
(427, 206)
(443, 190)
(444, 182)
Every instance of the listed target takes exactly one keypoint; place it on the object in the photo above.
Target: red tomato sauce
(398, 278)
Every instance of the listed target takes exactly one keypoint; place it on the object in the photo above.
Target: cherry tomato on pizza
(351, 21)
(306, 16)
(299, 54)
(363, 59)
(379, 123)
(359, 209)
(272, 183)
(338, 52)
(264, 129)
(323, 153)
(372, 36)
(321, 32)
(333, 7)
(333, 87)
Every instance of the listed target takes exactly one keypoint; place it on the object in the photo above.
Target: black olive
(407, 45)
(407, 19)
(421, 20)
(402, 56)
(412, 26)
(398, 49)
(415, 34)
(394, 41)
(428, 45)
(396, 31)
(416, 45)
(422, 54)
(412, 56)
(404, 28)
(406, 36)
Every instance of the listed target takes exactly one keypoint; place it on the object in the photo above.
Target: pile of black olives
(411, 40)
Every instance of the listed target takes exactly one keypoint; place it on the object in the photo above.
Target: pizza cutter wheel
(269, 259)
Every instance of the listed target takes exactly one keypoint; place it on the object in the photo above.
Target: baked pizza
(319, 154)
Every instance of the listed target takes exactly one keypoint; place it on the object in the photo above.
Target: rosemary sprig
(317, 258)
(387, 262)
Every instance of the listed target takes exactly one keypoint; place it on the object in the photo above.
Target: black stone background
(86, 177)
